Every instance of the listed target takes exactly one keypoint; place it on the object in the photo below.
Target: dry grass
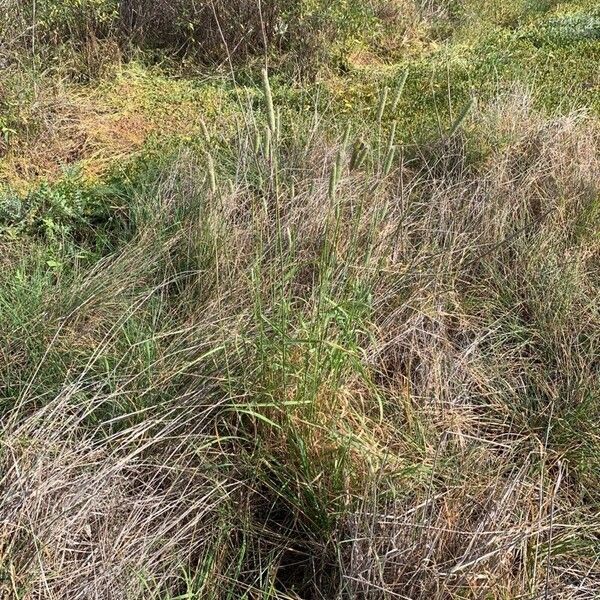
(92, 125)
(376, 386)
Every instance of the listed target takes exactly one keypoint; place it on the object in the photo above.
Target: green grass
(310, 339)
(553, 55)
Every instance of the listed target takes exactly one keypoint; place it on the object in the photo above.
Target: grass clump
(290, 378)
(290, 340)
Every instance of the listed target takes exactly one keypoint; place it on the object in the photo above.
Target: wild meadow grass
(294, 345)
(308, 362)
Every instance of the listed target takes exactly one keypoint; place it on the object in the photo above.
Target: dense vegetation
(326, 329)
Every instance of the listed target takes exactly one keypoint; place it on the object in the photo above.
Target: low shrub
(308, 32)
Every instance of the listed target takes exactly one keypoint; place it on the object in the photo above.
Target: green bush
(307, 32)
(70, 208)
(51, 21)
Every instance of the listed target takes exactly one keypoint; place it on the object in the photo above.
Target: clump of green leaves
(69, 208)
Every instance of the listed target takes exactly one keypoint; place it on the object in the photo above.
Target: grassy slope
(378, 384)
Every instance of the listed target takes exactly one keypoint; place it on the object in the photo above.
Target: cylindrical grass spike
(338, 165)
(399, 91)
(278, 124)
(361, 157)
(392, 137)
(212, 176)
(346, 137)
(257, 142)
(461, 117)
(389, 161)
(269, 100)
(205, 132)
(359, 153)
(268, 143)
(382, 103)
(333, 182)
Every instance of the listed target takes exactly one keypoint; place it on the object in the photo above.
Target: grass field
(328, 329)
